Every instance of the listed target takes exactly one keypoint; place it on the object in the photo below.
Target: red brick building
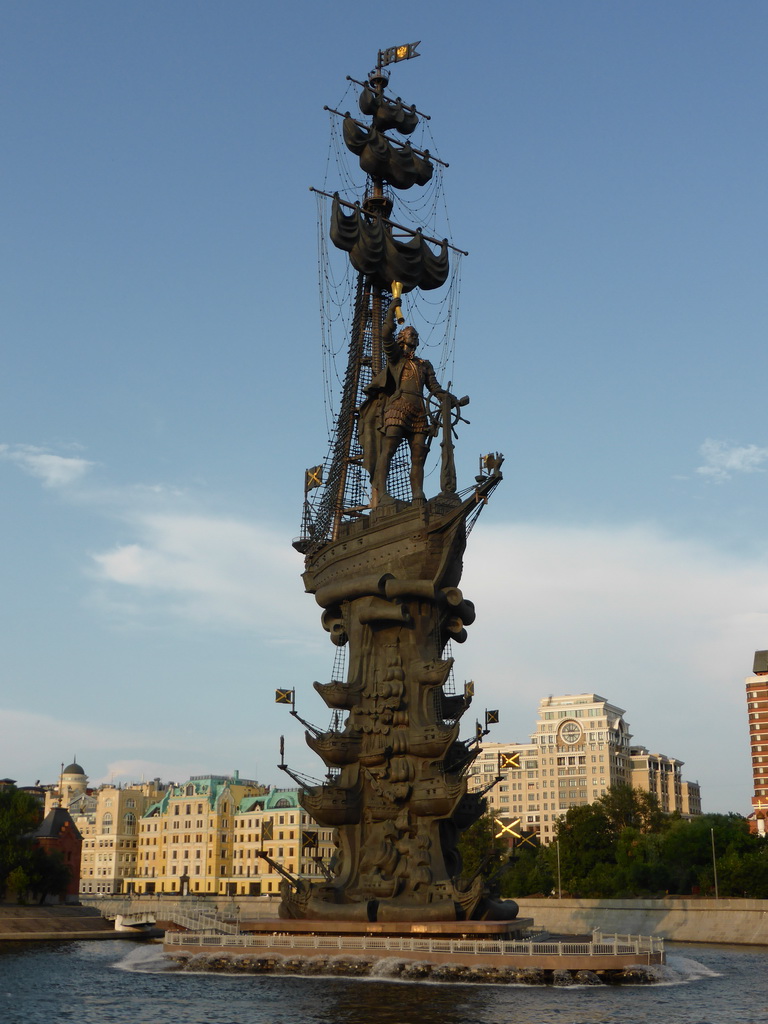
(757, 709)
(57, 833)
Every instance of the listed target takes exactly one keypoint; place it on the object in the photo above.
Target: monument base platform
(499, 930)
(499, 951)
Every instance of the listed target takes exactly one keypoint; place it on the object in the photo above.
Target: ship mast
(368, 318)
(390, 259)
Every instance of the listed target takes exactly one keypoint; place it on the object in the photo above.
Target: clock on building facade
(570, 733)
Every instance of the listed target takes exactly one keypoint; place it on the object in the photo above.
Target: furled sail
(374, 252)
(399, 166)
(388, 114)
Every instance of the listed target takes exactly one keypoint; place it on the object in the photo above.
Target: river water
(122, 982)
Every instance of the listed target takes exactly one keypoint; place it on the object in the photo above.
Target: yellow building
(108, 820)
(186, 838)
(276, 824)
(204, 837)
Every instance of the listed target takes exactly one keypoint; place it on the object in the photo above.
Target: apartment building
(662, 775)
(277, 825)
(207, 835)
(107, 818)
(581, 747)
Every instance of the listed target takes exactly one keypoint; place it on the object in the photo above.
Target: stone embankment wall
(52, 922)
(738, 922)
(741, 922)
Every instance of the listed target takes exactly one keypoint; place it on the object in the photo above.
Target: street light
(714, 861)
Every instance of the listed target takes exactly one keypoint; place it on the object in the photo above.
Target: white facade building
(580, 749)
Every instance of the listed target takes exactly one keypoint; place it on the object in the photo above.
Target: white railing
(205, 923)
(196, 916)
(617, 945)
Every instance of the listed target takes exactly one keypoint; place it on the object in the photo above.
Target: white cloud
(663, 627)
(659, 625)
(54, 470)
(35, 743)
(135, 769)
(210, 570)
(722, 459)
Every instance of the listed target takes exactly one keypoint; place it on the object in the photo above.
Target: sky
(161, 390)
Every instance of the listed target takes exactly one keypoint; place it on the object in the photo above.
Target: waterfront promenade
(732, 921)
(34, 923)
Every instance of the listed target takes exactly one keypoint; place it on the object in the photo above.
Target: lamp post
(559, 881)
(714, 861)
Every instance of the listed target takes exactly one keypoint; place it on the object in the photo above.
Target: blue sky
(161, 386)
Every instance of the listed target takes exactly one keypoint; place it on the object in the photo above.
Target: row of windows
(575, 713)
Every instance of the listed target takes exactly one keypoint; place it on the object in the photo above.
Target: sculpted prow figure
(395, 408)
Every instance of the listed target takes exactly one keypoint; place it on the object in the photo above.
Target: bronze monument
(384, 563)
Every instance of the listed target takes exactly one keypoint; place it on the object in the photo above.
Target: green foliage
(625, 807)
(744, 874)
(20, 814)
(26, 869)
(48, 874)
(18, 884)
(480, 850)
(623, 846)
(532, 872)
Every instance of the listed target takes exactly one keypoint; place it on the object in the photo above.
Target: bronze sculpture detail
(395, 409)
(386, 574)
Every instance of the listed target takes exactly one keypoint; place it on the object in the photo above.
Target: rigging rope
(346, 334)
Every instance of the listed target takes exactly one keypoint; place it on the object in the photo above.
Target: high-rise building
(580, 749)
(757, 709)
(662, 775)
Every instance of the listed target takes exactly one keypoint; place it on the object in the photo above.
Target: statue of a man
(395, 408)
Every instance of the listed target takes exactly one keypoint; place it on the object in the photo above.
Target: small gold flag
(308, 840)
(313, 478)
(393, 54)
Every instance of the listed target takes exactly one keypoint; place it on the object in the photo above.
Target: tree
(18, 883)
(687, 853)
(745, 874)
(586, 840)
(20, 814)
(641, 869)
(49, 874)
(532, 872)
(632, 808)
(481, 851)
(606, 848)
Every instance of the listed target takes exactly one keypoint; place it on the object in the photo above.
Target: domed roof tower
(73, 783)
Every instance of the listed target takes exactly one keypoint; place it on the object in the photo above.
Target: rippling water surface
(120, 982)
